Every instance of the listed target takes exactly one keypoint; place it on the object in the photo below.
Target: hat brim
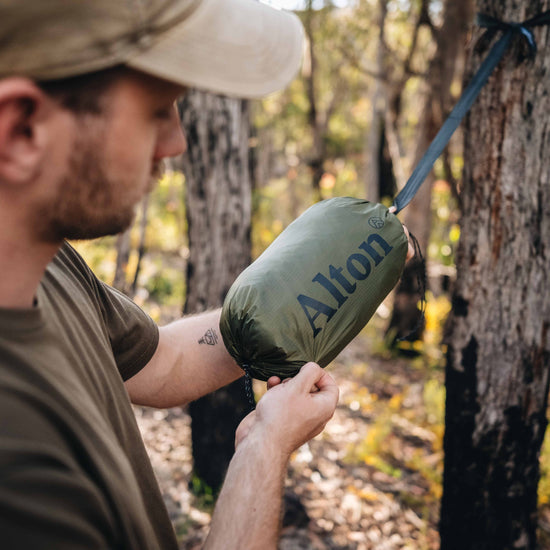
(234, 47)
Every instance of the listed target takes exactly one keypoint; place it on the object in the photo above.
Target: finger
(244, 427)
(308, 376)
(328, 389)
(410, 248)
(325, 382)
(273, 381)
(410, 251)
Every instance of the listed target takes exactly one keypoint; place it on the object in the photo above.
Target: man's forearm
(190, 361)
(248, 511)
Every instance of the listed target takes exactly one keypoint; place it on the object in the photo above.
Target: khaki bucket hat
(235, 47)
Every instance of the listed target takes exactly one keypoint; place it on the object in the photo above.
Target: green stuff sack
(310, 293)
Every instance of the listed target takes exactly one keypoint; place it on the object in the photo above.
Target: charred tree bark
(218, 204)
(450, 38)
(499, 349)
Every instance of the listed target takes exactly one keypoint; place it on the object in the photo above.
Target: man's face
(114, 159)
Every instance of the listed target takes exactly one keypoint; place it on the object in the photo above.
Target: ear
(21, 150)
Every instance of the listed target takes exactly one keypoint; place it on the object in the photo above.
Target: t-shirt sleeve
(134, 336)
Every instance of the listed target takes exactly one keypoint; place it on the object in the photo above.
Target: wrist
(258, 443)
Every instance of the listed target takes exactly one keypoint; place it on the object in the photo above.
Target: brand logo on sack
(358, 268)
(376, 223)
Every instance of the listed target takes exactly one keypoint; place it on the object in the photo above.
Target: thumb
(308, 376)
(243, 429)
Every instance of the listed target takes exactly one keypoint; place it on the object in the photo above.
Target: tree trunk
(417, 216)
(499, 349)
(319, 118)
(317, 160)
(122, 258)
(142, 234)
(375, 140)
(218, 203)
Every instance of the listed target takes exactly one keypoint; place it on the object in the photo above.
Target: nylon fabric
(314, 288)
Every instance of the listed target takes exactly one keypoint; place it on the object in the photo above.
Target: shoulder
(69, 263)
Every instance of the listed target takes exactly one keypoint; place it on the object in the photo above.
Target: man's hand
(410, 250)
(292, 412)
(289, 414)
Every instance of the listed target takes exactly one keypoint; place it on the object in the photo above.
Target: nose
(171, 140)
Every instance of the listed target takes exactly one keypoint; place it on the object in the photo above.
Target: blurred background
(378, 79)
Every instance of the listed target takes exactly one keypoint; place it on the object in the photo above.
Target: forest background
(353, 123)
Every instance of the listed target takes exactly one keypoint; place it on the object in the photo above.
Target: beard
(89, 202)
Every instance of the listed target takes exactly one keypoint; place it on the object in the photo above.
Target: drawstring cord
(248, 386)
(421, 287)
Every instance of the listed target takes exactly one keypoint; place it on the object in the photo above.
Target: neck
(22, 266)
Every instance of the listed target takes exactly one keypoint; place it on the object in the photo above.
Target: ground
(371, 481)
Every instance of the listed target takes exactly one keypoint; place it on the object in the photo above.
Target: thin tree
(498, 360)
(380, 179)
(450, 39)
(218, 205)
(318, 119)
(124, 249)
(123, 245)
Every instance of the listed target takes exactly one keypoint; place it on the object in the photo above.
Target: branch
(337, 95)
(453, 182)
(422, 19)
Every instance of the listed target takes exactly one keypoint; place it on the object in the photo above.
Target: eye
(164, 113)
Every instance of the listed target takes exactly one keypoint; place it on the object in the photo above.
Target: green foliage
(405, 437)
(165, 286)
(160, 287)
(544, 492)
(445, 231)
(167, 224)
(544, 484)
(434, 404)
(183, 526)
(345, 44)
(100, 254)
(205, 497)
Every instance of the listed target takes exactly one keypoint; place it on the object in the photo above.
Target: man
(87, 92)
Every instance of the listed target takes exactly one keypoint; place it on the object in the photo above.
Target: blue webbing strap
(469, 95)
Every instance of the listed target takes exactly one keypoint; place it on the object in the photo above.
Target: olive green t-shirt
(74, 473)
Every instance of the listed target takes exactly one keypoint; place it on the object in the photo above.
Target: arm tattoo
(210, 337)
